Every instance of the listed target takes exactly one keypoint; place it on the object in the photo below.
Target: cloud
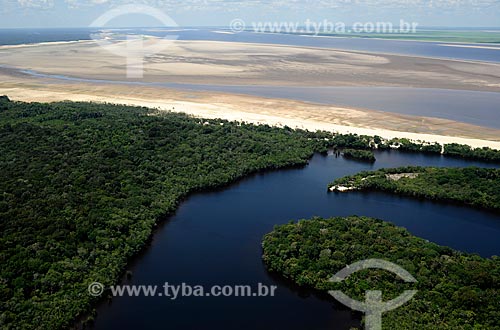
(270, 4)
(299, 4)
(42, 4)
(354, 8)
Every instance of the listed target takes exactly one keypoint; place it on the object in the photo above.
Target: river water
(472, 107)
(215, 239)
(490, 53)
(460, 51)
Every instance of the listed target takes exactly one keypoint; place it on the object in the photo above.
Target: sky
(81, 13)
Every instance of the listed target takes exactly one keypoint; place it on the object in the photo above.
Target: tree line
(473, 186)
(367, 142)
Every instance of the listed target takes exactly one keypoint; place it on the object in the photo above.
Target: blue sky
(80, 13)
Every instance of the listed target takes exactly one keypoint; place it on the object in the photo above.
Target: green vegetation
(465, 151)
(478, 187)
(466, 36)
(410, 146)
(366, 142)
(82, 186)
(456, 290)
(4, 99)
(363, 155)
(353, 141)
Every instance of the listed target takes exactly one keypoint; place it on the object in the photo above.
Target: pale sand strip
(47, 43)
(232, 63)
(263, 111)
(470, 46)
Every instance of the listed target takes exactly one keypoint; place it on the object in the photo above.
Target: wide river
(472, 107)
(215, 239)
(461, 51)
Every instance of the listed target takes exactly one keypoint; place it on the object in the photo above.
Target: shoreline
(45, 43)
(231, 107)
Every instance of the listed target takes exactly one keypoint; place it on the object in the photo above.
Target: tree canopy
(474, 186)
(82, 186)
(362, 155)
(455, 290)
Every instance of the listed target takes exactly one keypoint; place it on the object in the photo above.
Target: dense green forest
(478, 187)
(452, 150)
(465, 151)
(455, 290)
(83, 185)
(363, 155)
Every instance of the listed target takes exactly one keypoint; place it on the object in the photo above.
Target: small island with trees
(455, 290)
(473, 186)
(361, 155)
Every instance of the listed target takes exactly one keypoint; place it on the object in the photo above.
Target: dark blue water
(215, 237)
(30, 36)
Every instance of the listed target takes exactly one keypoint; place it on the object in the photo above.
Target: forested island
(473, 186)
(361, 155)
(455, 290)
